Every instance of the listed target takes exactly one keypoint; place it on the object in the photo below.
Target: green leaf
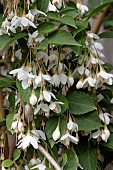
(51, 126)
(2, 119)
(56, 38)
(80, 103)
(107, 34)
(72, 160)
(69, 11)
(52, 15)
(64, 100)
(6, 40)
(16, 154)
(43, 45)
(109, 143)
(46, 27)
(68, 20)
(49, 169)
(11, 98)
(64, 160)
(42, 5)
(98, 9)
(7, 163)
(9, 120)
(2, 18)
(6, 82)
(91, 121)
(26, 93)
(88, 159)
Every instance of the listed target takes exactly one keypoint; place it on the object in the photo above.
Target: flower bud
(56, 133)
(33, 99)
(79, 84)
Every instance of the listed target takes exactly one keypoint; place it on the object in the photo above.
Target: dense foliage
(57, 89)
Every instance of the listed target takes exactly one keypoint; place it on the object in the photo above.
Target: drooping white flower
(56, 80)
(55, 106)
(47, 95)
(57, 3)
(17, 125)
(18, 54)
(56, 134)
(40, 167)
(89, 81)
(82, 8)
(63, 78)
(27, 140)
(70, 80)
(51, 7)
(105, 134)
(79, 84)
(72, 126)
(111, 101)
(69, 138)
(105, 117)
(42, 106)
(30, 16)
(33, 98)
(21, 21)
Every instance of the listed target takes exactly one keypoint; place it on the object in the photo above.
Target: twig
(49, 157)
(98, 22)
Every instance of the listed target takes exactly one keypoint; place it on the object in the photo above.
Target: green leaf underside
(68, 20)
(46, 27)
(6, 40)
(88, 159)
(62, 37)
(89, 121)
(72, 160)
(7, 163)
(80, 103)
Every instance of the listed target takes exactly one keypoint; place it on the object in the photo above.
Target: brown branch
(99, 19)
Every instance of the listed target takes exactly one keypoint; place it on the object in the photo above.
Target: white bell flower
(45, 108)
(72, 126)
(51, 7)
(17, 125)
(30, 16)
(79, 84)
(18, 54)
(105, 118)
(33, 99)
(55, 106)
(111, 101)
(70, 81)
(96, 134)
(82, 8)
(38, 133)
(21, 21)
(69, 138)
(56, 80)
(63, 78)
(20, 72)
(81, 70)
(56, 134)
(105, 134)
(35, 11)
(47, 95)
(89, 81)
(40, 167)
(57, 3)
(27, 140)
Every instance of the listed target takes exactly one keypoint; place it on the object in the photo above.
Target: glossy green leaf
(9, 120)
(80, 103)
(26, 93)
(52, 15)
(91, 121)
(56, 38)
(7, 163)
(16, 154)
(6, 40)
(43, 45)
(88, 159)
(6, 82)
(42, 5)
(46, 27)
(80, 27)
(69, 11)
(107, 34)
(96, 10)
(72, 160)
(64, 100)
(68, 20)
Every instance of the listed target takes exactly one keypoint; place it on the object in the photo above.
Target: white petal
(34, 143)
(63, 78)
(47, 95)
(81, 70)
(56, 134)
(25, 84)
(52, 106)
